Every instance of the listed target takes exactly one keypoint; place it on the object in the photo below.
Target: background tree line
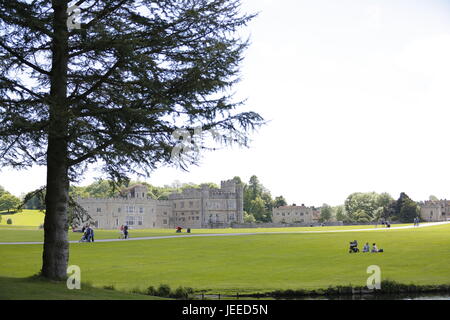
(372, 207)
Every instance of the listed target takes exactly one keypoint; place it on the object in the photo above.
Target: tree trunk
(56, 247)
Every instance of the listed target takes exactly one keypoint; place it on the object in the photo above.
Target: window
(99, 209)
(134, 220)
(191, 204)
(141, 210)
(165, 213)
(182, 204)
(175, 205)
(165, 221)
(130, 209)
(129, 220)
(119, 210)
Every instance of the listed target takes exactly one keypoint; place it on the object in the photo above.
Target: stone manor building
(295, 214)
(193, 208)
(434, 211)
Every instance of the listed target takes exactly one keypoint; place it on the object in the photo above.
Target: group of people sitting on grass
(366, 248)
(178, 229)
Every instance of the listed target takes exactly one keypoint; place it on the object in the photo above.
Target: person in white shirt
(374, 248)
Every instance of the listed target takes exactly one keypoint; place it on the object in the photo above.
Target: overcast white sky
(357, 93)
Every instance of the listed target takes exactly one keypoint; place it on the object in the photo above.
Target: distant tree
(258, 209)
(249, 218)
(370, 206)
(326, 213)
(279, 202)
(433, 198)
(238, 180)
(340, 213)
(258, 200)
(9, 202)
(210, 185)
(35, 203)
(406, 208)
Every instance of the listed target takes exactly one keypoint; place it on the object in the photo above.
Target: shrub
(163, 291)
(151, 291)
(181, 293)
(110, 287)
(136, 291)
(9, 221)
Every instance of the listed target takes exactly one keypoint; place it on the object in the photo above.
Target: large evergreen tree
(406, 209)
(113, 91)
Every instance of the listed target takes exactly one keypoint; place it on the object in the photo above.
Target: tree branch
(24, 60)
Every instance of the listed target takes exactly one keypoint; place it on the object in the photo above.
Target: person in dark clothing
(353, 247)
(92, 234)
(125, 231)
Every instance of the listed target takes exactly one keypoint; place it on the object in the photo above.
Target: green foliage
(406, 209)
(182, 293)
(279, 201)
(249, 218)
(341, 214)
(326, 213)
(163, 291)
(8, 202)
(258, 200)
(366, 207)
(9, 221)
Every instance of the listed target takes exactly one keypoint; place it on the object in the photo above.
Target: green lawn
(33, 234)
(33, 218)
(35, 289)
(251, 263)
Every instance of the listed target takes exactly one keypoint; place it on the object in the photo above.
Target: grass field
(35, 289)
(34, 234)
(245, 264)
(33, 218)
